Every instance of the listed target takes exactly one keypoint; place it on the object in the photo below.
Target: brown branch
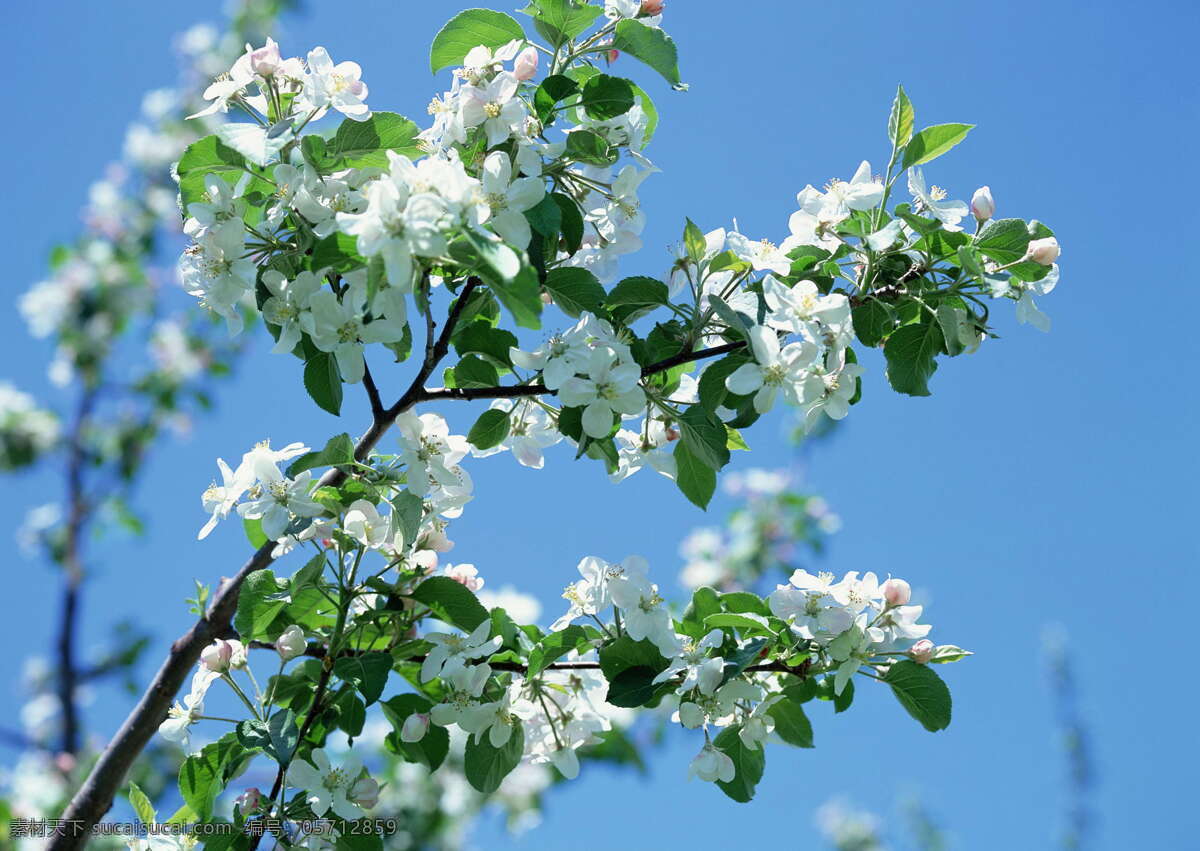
(72, 562)
(95, 796)
(518, 390)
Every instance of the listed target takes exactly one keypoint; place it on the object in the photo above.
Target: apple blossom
(291, 643)
(922, 651)
(982, 205)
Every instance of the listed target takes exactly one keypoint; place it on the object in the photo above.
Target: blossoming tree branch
(384, 255)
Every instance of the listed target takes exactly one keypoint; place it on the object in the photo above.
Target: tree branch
(518, 390)
(95, 796)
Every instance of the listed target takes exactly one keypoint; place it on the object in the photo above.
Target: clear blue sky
(1049, 479)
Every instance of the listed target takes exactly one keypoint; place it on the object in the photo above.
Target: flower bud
(365, 793)
(249, 800)
(614, 55)
(525, 66)
(922, 651)
(291, 643)
(1044, 251)
(982, 205)
(897, 592)
(216, 656)
(415, 727)
(266, 60)
(652, 7)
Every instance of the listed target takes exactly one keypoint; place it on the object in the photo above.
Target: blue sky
(1048, 480)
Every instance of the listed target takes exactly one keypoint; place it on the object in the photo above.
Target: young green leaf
(910, 353)
(468, 30)
(652, 46)
(900, 122)
(934, 141)
(922, 693)
(489, 430)
(323, 381)
(695, 479)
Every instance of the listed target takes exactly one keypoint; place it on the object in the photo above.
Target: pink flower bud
(291, 643)
(525, 66)
(216, 656)
(266, 60)
(249, 800)
(652, 7)
(365, 793)
(897, 592)
(614, 55)
(415, 727)
(1044, 251)
(982, 205)
(922, 651)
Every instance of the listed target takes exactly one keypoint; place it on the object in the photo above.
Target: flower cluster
(26, 431)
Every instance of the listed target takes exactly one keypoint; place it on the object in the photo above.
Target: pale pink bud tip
(365, 793)
(982, 205)
(652, 7)
(897, 592)
(249, 800)
(1044, 251)
(291, 643)
(922, 651)
(415, 727)
(266, 60)
(216, 656)
(525, 66)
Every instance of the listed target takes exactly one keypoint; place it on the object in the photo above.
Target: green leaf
(934, 141)
(694, 241)
(712, 381)
(873, 321)
(490, 429)
(207, 156)
(474, 371)
(408, 509)
(791, 724)
(587, 146)
(957, 329)
(748, 763)
(364, 144)
(367, 672)
(323, 381)
(466, 31)
(338, 252)
(575, 290)
(338, 450)
(284, 734)
(695, 479)
(651, 45)
(522, 298)
(705, 436)
(910, 352)
(481, 338)
(922, 693)
(432, 749)
(486, 766)
(261, 599)
(572, 222)
(142, 806)
(554, 646)
(632, 687)
(561, 20)
(451, 602)
(254, 532)
(635, 297)
(606, 97)
(553, 90)
(1004, 240)
(900, 122)
(202, 776)
(545, 217)
(625, 653)
(746, 621)
(352, 714)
